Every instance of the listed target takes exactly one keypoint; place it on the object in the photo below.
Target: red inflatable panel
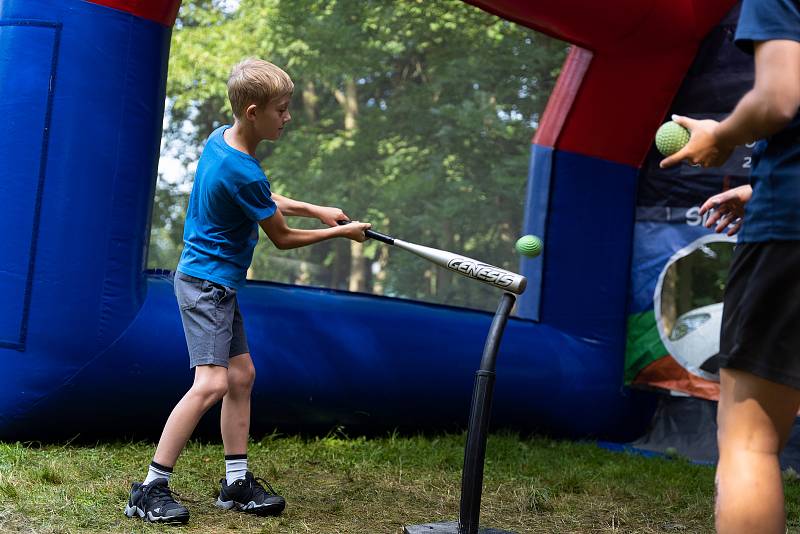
(612, 96)
(563, 97)
(161, 11)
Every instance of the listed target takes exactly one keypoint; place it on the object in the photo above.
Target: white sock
(235, 467)
(157, 471)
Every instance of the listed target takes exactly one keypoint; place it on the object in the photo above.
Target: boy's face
(270, 119)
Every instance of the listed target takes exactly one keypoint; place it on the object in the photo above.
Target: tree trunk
(685, 282)
(348, 100)
(379, 285)
(669, 309)
(341, 265)
(358, 267)
(310, 100)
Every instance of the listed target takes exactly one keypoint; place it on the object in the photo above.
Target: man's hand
(727, 208)
(704, 147)
(330, 215)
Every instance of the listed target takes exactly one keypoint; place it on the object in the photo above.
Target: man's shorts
(761, 315)
(211, 320)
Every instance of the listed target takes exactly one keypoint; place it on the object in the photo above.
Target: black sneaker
(154, 503)
(248, 496)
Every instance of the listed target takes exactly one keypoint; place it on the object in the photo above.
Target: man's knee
(748, 434)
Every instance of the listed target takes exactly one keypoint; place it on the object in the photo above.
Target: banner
(679, 267)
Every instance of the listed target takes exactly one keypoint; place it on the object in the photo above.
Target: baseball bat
(458, 263)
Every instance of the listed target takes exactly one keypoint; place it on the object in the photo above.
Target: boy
(231, 197)
(760, 340)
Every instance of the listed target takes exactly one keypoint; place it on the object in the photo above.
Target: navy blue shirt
(230, 195)
(773, 213)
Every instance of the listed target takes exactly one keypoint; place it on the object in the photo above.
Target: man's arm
(764, 110)
(774, 99)
(284, 237)
(328, 215)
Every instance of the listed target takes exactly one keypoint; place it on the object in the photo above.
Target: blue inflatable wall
(91, 344)
(82, 90)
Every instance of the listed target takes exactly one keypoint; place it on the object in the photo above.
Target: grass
(337, 484)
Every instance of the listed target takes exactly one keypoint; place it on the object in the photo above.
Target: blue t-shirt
(230, 195)
(773, 213)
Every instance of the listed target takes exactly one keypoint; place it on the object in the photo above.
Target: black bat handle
(372, 234)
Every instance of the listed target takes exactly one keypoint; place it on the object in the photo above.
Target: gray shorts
(211, 320)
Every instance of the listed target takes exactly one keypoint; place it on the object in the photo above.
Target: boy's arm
(284, 237)
(764, 110)
(328, 215)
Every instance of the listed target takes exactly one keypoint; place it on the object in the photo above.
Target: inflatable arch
(91, 343)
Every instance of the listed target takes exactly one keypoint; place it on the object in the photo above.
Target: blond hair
(255, 81)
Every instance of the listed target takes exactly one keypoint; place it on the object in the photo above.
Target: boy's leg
(207, 314)
(235, 416)
(240, 490)
(153, 500)
(210, 385)
(754, 420)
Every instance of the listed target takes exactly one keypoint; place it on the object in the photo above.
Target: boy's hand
(727, 209)
(330, 215)
(703, 147)
(354, 230)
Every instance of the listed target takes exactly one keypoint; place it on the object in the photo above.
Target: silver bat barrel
(471, 268)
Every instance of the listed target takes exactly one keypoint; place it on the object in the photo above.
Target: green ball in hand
(529, 245)
(671, 137)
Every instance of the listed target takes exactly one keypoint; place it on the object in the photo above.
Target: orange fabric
(666, 373)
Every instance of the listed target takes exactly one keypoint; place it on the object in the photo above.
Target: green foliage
(695, 280)
(169, 211)
(414, 116)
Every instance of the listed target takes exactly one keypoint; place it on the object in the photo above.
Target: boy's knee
(242, 378)
(212, 389)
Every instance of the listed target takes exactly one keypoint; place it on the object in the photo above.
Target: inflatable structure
(91, 344)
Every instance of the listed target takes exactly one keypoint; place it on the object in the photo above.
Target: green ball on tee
(529, 245)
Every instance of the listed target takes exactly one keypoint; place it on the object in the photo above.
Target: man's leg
(754, 419)
(210, 385)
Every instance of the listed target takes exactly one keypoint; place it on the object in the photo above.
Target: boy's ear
(250, 112)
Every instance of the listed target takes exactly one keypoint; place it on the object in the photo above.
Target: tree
(414, 116)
